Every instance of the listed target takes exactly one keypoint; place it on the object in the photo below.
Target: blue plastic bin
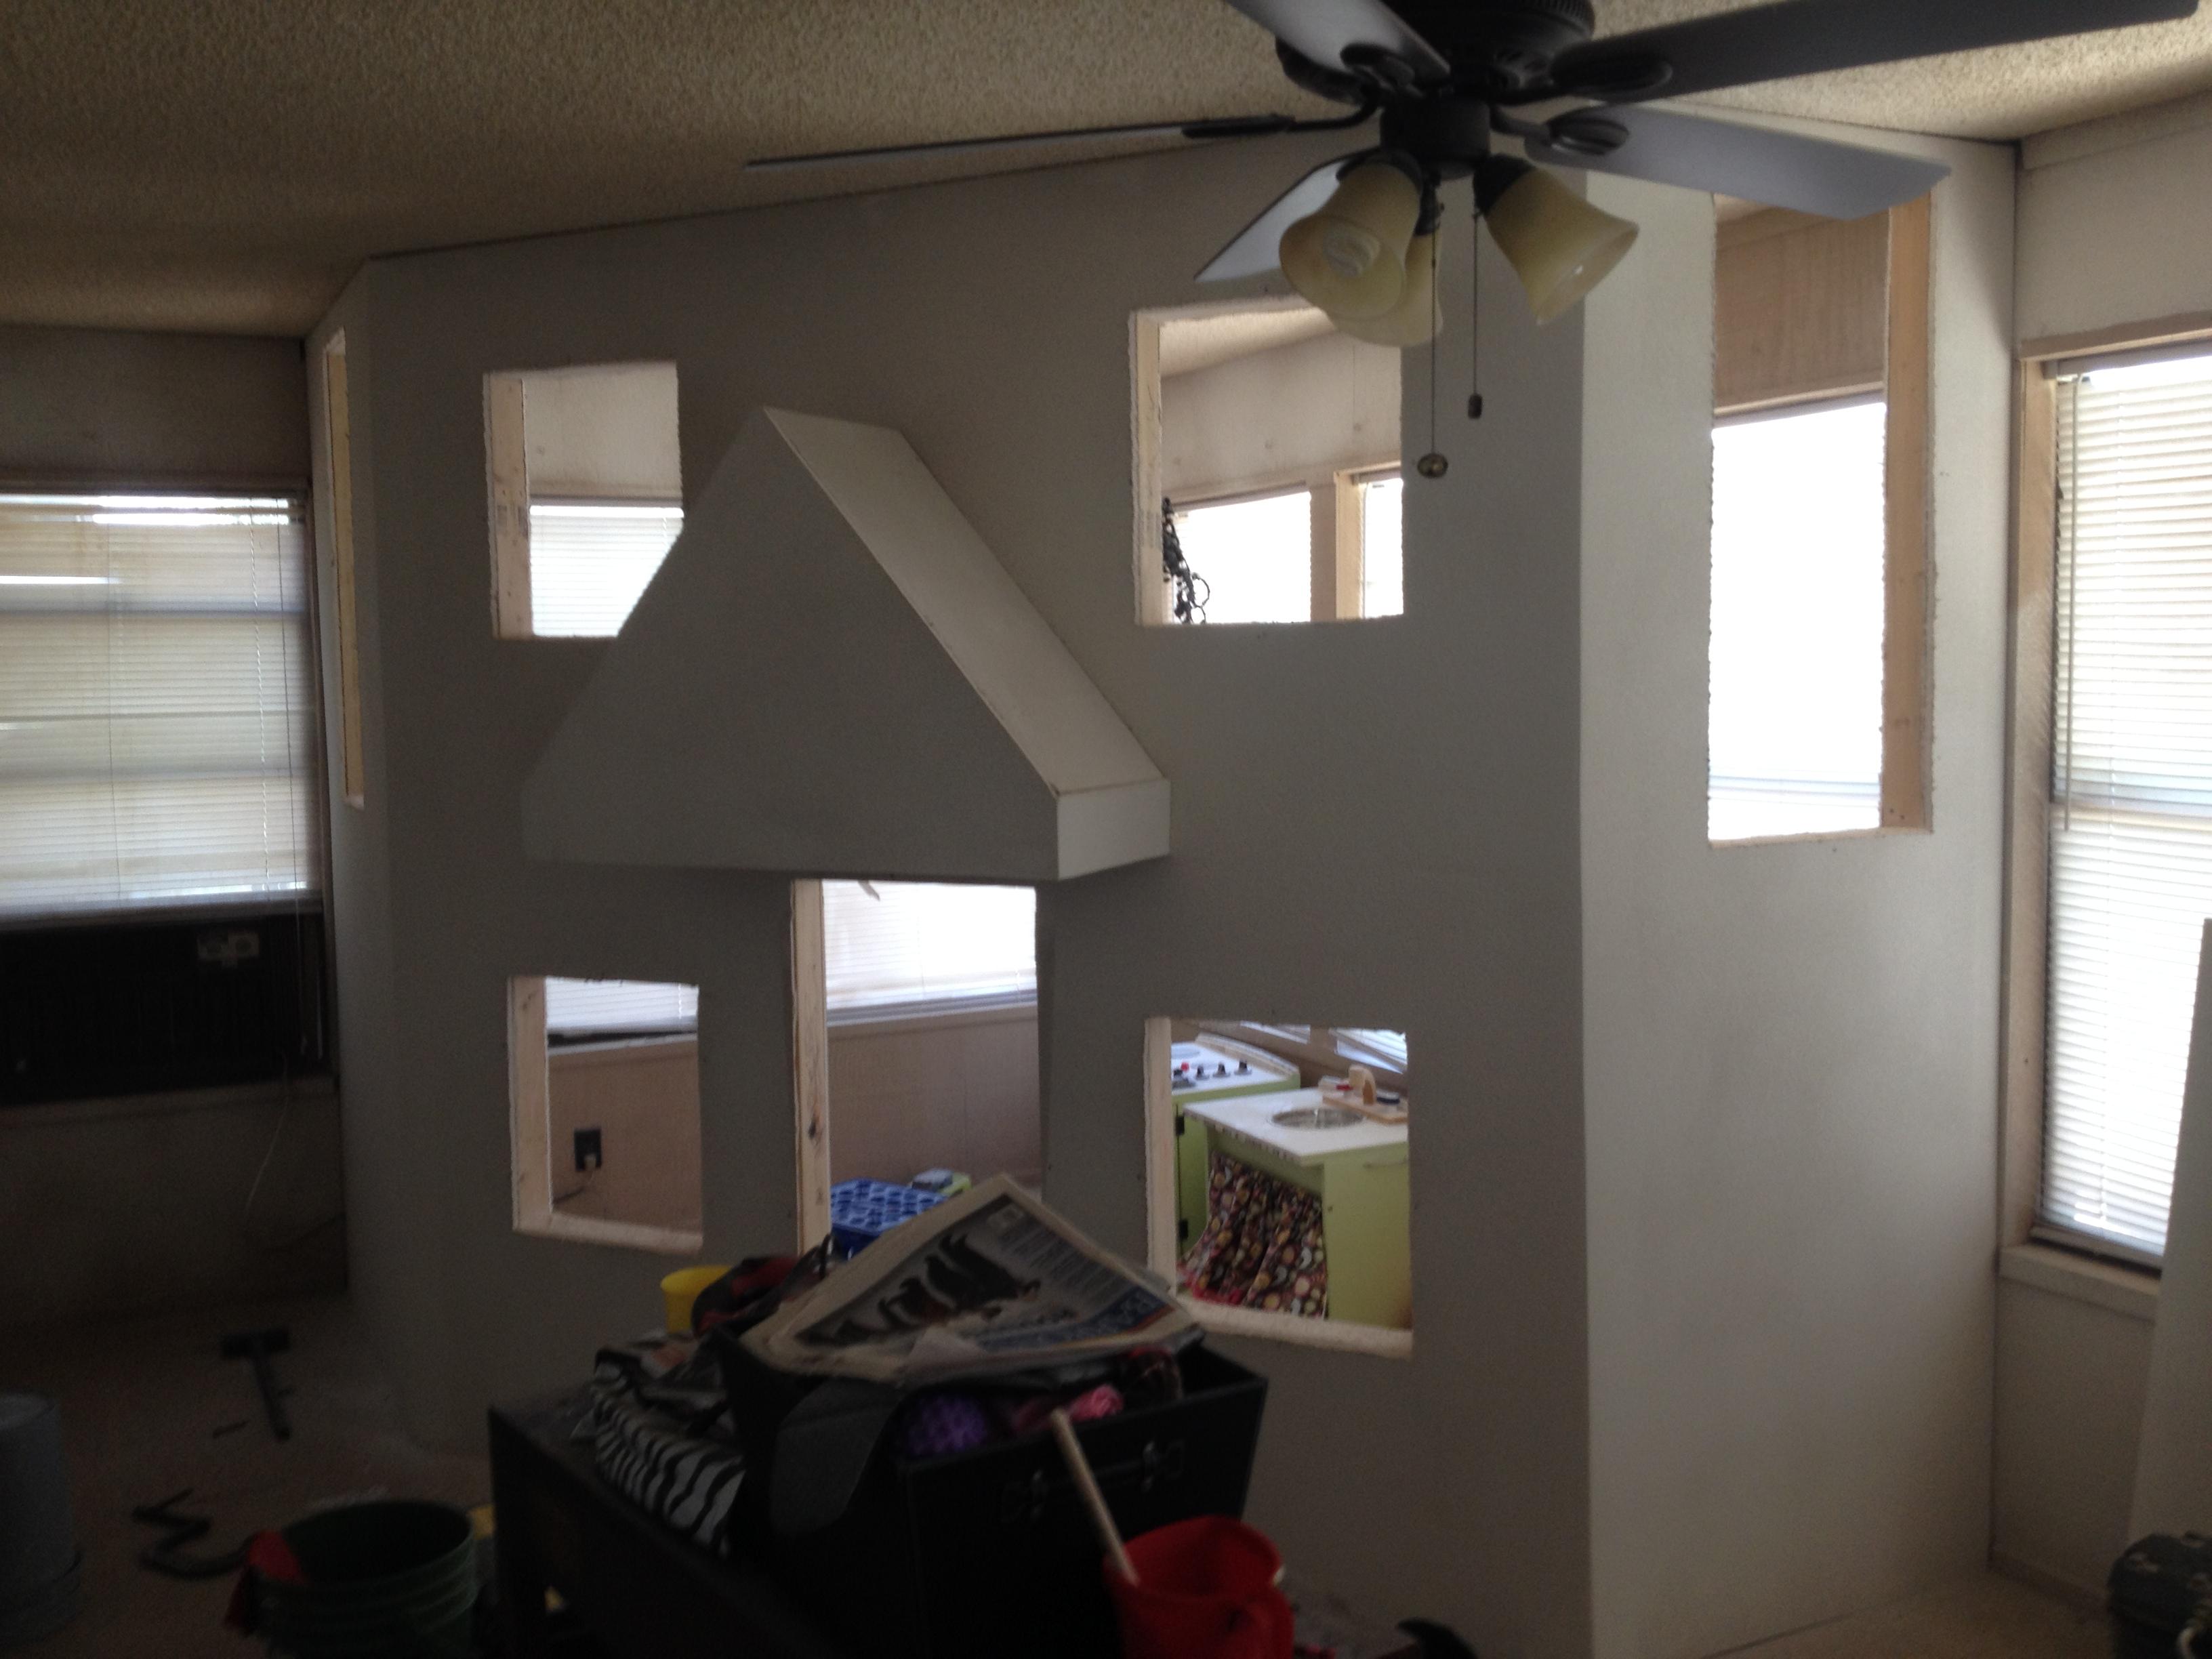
(862, 1212)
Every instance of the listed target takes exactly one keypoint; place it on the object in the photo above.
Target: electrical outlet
(588, 1155)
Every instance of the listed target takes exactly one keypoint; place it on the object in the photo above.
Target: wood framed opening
(913, 1041)
(1822, 368)
(2040, 800)
(585, 491)
(604, 1101)
(1278, 1206)
(338, 429)
(1271, 443)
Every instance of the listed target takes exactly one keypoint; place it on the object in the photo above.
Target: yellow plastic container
(681, 1289)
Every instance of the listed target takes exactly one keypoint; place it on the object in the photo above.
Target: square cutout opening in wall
(586, 495)
(915, 1013)
(1279, 1178)
(1818, 713)
(606, 1105)
(1267, 468)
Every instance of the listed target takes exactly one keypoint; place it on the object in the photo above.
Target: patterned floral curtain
(1262, 1244)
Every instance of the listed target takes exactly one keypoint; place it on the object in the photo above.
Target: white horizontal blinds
(2131, 818)
(614, 1007)
(1795, 721)
(1391, 1045)
(1381, 547)
(590, 561)
(914, 945)
(1255, 557)
(155, 737)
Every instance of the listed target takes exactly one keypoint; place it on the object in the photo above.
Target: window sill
(620, 1234)
(894, 1018)
(1377, 1340)
(2132, 1292)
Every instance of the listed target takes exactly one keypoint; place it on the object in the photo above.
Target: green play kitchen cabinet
(1357, 1168)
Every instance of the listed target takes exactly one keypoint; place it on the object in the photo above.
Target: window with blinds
(2131, 790)
(1382, 546)
(601, 1010)
(156, 730)
(1794, 738)
(590, 561)
(894, 947)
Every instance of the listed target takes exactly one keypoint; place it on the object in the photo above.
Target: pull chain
(1432, 465)
(1474, 324)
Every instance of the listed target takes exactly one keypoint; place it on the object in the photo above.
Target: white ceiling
(225, 164)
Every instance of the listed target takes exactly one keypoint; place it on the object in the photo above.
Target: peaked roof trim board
(1010, 655)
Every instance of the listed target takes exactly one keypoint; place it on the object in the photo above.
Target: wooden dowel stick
(1101, 1518)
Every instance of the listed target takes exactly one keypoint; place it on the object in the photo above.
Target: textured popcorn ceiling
(225, 164)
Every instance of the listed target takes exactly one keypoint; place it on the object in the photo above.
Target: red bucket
(1205, 1589)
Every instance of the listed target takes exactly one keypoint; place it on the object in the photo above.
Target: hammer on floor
(258, 1346)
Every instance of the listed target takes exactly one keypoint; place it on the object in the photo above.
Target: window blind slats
(2131, 788)
(156, 744)
(1383, 547)
(590, 562)
(577, 1008)
(913, 946)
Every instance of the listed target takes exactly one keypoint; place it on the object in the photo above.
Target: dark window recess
(144, 1007)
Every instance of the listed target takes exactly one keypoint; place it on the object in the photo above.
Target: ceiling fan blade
(1231, 126)
(1322, 30)
(1807, 37)
(1780, 169)
(1253, 250)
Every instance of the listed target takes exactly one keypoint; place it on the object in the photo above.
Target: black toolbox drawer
(988, 1552)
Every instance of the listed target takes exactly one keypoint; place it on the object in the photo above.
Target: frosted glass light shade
(1350, 257)
(1558, 245)
(1416, 318)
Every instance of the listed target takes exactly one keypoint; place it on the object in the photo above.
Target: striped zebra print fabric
(660, 1434)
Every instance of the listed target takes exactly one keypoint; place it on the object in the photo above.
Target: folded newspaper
(990, 1281)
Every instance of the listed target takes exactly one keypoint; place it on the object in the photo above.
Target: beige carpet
(140, 1407)
(1985, 1617)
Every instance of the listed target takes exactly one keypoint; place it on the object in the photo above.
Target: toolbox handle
(1025, 1502)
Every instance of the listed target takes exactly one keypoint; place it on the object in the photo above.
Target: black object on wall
(146, 1007)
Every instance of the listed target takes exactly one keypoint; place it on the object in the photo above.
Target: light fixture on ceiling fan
(1356, 235)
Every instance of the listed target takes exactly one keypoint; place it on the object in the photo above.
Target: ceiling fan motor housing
(1501, 46)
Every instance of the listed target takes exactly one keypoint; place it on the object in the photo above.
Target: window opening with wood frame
(1818, 705)
(1279, 1165)
(1266, 468)
(586, 495)
(2112, 838)
(914, 1030)
(605, 1086)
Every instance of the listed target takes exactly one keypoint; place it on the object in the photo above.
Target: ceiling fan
(1355, 235)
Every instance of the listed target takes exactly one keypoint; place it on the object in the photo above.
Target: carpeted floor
(1984, 1617)
(141, 1408)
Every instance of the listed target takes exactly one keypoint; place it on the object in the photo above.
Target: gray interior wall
(1321, 404)
(108, 1207)
(959, 1093)
(1010, 374)
(2073, 1370)
(2116, 223)
(80, 404)
(139, 1206)
(1790, 1047)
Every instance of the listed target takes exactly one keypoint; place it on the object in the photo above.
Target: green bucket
(394, 1579)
